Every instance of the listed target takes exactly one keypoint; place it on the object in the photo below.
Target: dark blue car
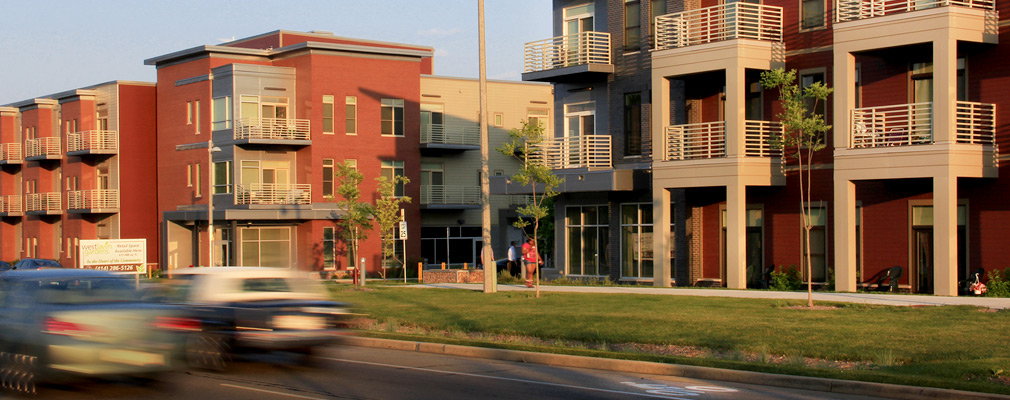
(36, 263)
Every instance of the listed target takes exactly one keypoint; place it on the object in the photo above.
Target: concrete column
(660, 115)
(844, 97)
(736, 236)
(661, 236)
(845, 235)
(944, 89)
(735, 110)
(945, 235)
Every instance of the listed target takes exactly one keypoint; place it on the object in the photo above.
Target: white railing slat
(717, 23)
(851, 10)
(568, 50)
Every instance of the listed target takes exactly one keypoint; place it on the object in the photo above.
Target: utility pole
(490, 268)
(210, 199)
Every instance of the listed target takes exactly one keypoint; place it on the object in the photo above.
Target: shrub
(786, 279)
(998, 285)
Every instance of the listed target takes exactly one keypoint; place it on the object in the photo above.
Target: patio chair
(889, 275)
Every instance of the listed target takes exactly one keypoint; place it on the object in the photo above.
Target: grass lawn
(951, 347)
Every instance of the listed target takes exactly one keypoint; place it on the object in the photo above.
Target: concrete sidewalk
(863, 298)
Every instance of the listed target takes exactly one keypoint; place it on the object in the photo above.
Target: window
(266, 246)
(394, 168)
(196, 116)
(351, 163)
(657, 8)
(432, 128)
(921, 86)
(633, 124)
(328, 114)
(811, 14)
(329, 247)
(588, 232)
(538, 116)
(754, 247)
(636, 240)
(392, 117)
(222, 113)
(499, 119)
(222, 177)
(432, 174)
(196, 178)
(189, 113)
(189, 175)
(632, 25)
(806, 80)
(818, 244)
(351, 109)
(328, 178)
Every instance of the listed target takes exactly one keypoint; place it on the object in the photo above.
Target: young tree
(387, 214)
(524, 144)
(356, 219)
(803, 132)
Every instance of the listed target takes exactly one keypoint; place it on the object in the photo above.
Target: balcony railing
(717, 23)
(446, 194)
(43, 146)
(975, 123)
(11, 204)
(851, 10)
(93, 199)
(588, 151)
(895, 125)
(104, 141)
(708, 140)
(48, 202)
(442, 134)
(273, 194)
(568, 50)
(272, 128)
(11, 152)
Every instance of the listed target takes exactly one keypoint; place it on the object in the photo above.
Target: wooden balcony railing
(273, 194)
(894, 125)
(43, 146)
(587, 151)
(272, 128)
(450, 134)
(93, 199)
(852, 10)
(49, 201)
(93, 141)
(568, 50)
(11, 204)
(696, 141)
(975, 123)
(450, 194)
(717, 23)
(11, 152)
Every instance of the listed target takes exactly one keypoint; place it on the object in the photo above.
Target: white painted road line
(271, 392)
(562, 385)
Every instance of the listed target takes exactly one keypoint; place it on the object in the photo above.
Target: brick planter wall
(453, 276)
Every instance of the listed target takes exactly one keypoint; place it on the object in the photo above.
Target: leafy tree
(356, 219)
(524, 144)
(802, 136)
(387, 210)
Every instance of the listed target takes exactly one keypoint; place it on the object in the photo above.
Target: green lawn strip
(952, 347)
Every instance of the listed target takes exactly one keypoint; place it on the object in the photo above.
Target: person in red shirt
(531, 258)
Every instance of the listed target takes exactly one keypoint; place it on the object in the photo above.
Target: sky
(51, 46)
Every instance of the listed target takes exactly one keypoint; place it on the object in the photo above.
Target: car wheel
(19, 372)
(208, 351)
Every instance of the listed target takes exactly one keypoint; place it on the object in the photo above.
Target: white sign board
(116, 255)
(403, 230)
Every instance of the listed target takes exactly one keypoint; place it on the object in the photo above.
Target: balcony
(96, 201)
(570, 57)
(10, 206)
(719, 23)
(43, 203)
(450, 196)
(10, 154)
(450, 137)
(588, 151)
(912, 124)
(272, 131)
(43, 148)
(92, 143)
(708, 140)
(853, 10)
(273, 194)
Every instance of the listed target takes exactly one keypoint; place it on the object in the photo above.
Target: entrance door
(922, 247)
(754, 250)
(578, 19)
(923, 259)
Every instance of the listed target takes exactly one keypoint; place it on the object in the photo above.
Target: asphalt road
(369, 373)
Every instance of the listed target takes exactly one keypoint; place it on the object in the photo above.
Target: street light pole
(490, 268)
(210, 199)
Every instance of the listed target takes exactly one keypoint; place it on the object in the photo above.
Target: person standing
(513, 258)
(531, 258)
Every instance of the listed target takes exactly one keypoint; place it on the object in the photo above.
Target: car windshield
(265, 285)
(82, 290)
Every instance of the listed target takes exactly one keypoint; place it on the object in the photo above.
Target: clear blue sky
(52, 46)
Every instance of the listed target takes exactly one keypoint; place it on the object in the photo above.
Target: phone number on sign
(114, 268)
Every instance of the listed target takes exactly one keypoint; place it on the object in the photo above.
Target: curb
(685, 371)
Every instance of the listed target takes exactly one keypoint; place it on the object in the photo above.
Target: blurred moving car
(5, 266)
(255, 308)
(75, 322)
(36, 263)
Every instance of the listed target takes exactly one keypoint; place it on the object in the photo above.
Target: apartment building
(451, 163)
(65, 159)
(910, 176)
